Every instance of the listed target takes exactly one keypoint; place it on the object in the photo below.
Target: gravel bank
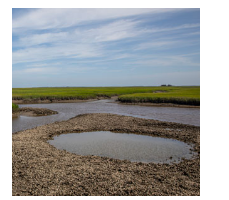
(40, 169)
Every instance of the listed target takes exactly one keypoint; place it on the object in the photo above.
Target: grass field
(182, 95)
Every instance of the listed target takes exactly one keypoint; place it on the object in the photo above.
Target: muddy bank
(115, 98)
(58, 100)
(40, 169)
(33, 112)
(35, 101)
(160, 104)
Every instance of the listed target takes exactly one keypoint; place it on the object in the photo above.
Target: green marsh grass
(177, 95)
(77, 92)
(14, 107)
(180, 95)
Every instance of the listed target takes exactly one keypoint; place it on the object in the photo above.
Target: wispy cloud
(86, 43)
(35, 54)
(72, 44)
(37, 70)
(117, 30)
(174, 28)
(166, 44)
(36, 39)
(105, 41)
(62, 18)
(156, 44)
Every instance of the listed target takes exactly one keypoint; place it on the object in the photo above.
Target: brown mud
(27, 111)
(18, 100)
(37, 101)
(38, 168)
(160, 105)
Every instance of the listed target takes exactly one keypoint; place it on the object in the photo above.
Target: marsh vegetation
(176, 95)
(14, 107)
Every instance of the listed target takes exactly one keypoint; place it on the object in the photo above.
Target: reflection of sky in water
(136, 148)
(68, 110)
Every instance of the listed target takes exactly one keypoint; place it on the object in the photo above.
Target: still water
(69, 110)
(123, 146)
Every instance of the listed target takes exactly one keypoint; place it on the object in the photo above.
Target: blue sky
(105, 47)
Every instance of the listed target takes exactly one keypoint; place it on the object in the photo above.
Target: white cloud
(37, 39)
(84, 42)
(117, 30)
(74, 44)
(35, 54)
(37, 70)
(156, 44)
(165, 44)
(173, 28)
(76, 41)
(65, 17)
(34, 65)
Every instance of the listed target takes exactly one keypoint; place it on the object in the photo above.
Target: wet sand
(38, 168)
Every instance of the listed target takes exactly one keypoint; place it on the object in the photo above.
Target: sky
(105, 47)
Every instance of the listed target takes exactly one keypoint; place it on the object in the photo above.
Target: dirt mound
(34, 112)
(38, 111)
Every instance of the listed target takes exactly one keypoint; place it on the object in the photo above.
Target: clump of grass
(15, 107)
(182, 101)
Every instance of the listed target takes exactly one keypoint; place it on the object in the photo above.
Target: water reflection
(136, 148)
(69, 110)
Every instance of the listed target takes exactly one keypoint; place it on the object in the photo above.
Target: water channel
(68, 110)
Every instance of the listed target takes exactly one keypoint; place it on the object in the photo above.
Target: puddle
(123, 146)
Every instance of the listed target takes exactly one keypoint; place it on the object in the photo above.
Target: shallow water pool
(123, 146)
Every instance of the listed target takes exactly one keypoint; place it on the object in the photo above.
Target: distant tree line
(164, 85)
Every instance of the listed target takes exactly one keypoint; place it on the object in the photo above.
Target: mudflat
(38, 168)
(27, 111)
(36, 101)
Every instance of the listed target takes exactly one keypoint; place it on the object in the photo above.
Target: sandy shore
(40, 169)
